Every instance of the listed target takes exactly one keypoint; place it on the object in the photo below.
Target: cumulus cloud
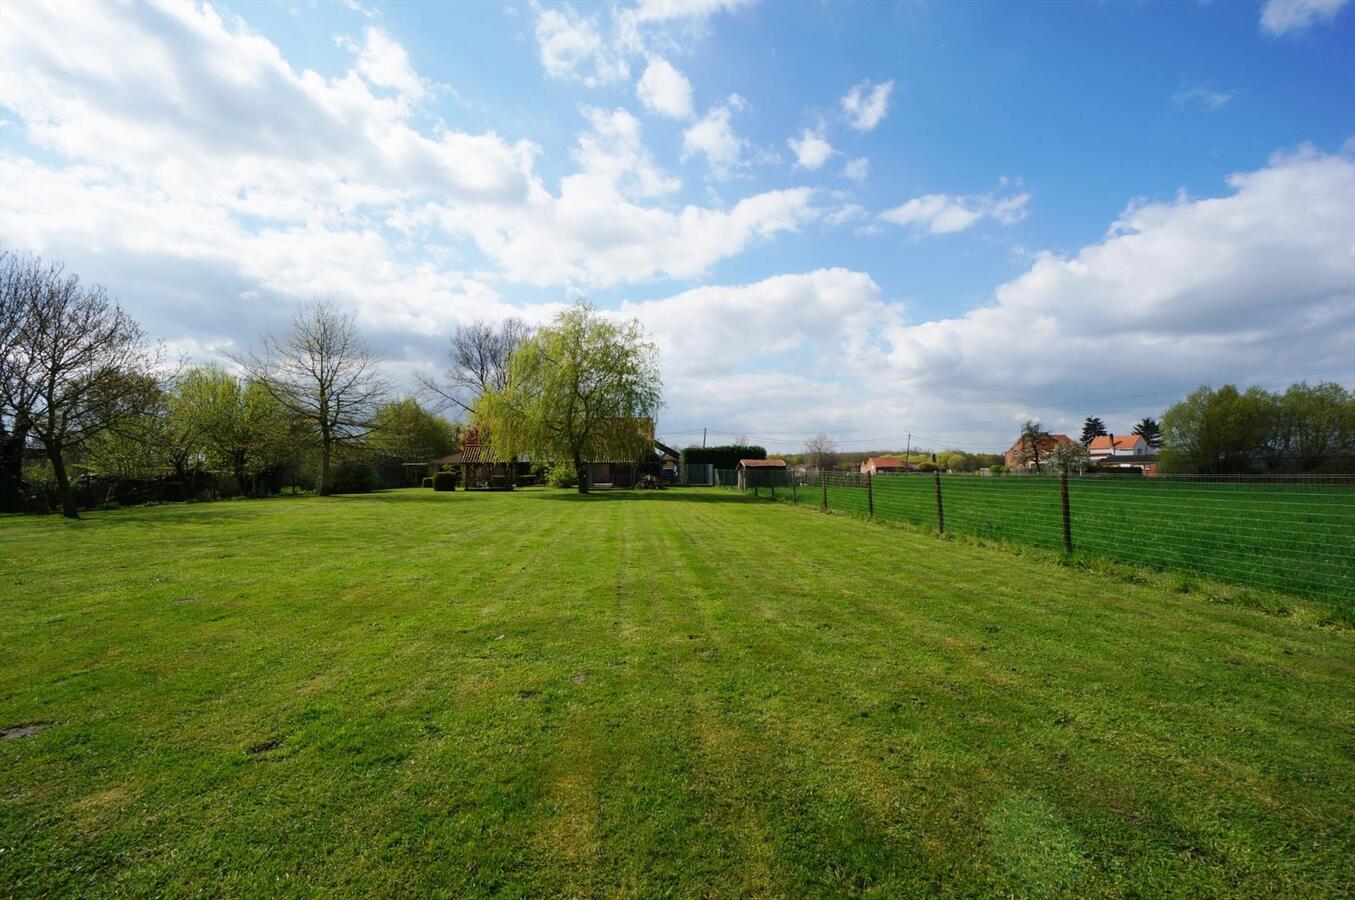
(948, 213)
(1281, 17)
(1177, 293)
(664, 90)
(865, 104)
(811, 149)
(714, 137)
(212, 133)
(572, 48)
(857, 169)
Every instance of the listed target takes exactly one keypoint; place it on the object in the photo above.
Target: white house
(1108, 445)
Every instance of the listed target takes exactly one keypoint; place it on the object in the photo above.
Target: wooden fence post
(870, 497)
(823, 479)
(1067, 519)
(940, 510)
(794, 500)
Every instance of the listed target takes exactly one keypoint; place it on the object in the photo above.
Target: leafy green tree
(1315, 426)
(406, 432)
(582, 388)
(1218, 431)
(229, 424)
(1092, 428)
(1150, 431)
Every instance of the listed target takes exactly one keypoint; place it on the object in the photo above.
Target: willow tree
(583, 388)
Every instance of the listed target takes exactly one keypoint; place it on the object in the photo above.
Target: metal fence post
(940, 510)
(1067, 519)
(870, 497)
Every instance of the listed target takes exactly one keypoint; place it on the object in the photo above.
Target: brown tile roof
(885, 462)
(1118, 442)
(763, 463)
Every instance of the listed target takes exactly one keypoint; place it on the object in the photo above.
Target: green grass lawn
(690, 693)
(1290, 535)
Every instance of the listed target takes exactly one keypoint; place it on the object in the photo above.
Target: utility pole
(703, 437)
(907, 453)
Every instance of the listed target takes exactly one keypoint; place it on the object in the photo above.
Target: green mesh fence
(1290, 533)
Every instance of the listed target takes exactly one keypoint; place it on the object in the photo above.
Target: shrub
(562, 475)
(427, 482)
(725, 457)
(444, 481)
(997, 470)
(927, 466)
(354, 476)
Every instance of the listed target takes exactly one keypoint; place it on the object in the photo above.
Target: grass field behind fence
(680, 693)
(1295, 536)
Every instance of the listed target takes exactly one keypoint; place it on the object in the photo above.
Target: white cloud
(1258, 283)
(613, 149)
(865, 104)
(384, 63)
(714, 136)
(946, 213)
(211, 152)
(1197, 95)
(664, 90)
(811, 149)
(582, 47)
(857, 169)
(1280, 17)
(571, 47)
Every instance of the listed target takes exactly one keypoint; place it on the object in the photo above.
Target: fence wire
(1288, 533)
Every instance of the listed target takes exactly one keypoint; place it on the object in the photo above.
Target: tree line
(86, 398)
(85, 395)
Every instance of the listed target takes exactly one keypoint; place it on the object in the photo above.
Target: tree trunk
(324, 470)
(241, 479)
(585, 474)
(69, 509)
(12, 467)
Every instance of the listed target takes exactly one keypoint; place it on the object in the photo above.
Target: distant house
(884, 465)
(1013, 458)
(1108, 445)
(1123, 451)
(758, 465)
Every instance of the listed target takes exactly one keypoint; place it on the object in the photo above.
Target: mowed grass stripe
(688, 692)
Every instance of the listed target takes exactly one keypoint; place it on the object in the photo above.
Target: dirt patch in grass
(14, 732)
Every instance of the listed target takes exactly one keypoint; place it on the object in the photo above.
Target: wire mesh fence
(1289, 533)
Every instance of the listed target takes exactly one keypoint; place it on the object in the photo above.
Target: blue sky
(862, 218)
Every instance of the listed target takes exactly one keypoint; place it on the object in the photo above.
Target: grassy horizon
(687, 692)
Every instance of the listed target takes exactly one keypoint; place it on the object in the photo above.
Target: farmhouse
(884, 465)
(1014, 455)
(1108, 445)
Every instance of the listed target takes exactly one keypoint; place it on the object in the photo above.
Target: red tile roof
(1117, 441)
(763, 463)
(885, 462)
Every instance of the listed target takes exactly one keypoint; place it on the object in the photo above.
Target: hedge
(723, 457)
(444, 481)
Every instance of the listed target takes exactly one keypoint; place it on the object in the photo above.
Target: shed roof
(763, 463)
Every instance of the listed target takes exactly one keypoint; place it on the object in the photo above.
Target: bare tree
(822, 451)
(1033, 440)
(16, 274)
(75, 363)
(479, 355)
(325, 375)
